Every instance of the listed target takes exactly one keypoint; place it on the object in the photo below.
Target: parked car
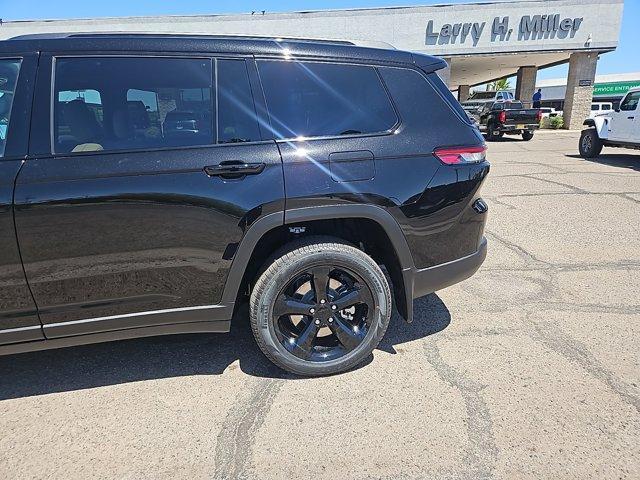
(495, 95)
(480, 98)
(323, 162)
(600, 108)
(620, 128)
(496, 119)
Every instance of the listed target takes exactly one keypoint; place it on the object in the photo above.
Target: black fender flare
(589, 122)
(403, 293)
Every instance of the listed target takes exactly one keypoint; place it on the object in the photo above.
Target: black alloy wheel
(323, 313)
(319, 307)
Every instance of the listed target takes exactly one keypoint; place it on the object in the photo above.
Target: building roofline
(293, 12)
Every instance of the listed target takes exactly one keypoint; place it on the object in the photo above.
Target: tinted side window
(321, 99)
(630, 102)
(237, 120)
(439, 85)
(8, 80)
(132, 103)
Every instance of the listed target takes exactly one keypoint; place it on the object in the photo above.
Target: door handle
(630, 118)
(234, 169)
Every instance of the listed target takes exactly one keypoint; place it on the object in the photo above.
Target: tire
(526, 135)
(319, 340)
(590, 144)
(493, 134)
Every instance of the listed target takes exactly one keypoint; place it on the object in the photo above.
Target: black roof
(231, 44)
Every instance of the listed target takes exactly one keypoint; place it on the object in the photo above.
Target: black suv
(149, 184)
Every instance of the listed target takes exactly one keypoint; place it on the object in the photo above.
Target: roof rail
(41, 36)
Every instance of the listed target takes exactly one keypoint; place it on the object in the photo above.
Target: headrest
(81, 121)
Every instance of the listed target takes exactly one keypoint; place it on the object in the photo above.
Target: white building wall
(403, 27)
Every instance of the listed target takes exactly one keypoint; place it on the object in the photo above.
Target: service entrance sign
(613, 88)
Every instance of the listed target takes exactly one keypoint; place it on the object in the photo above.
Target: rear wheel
(590, 144)
(527, 135)
(493, 133)
(320, 307)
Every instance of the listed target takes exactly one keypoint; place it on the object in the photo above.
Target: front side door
(623, 120)
(18, 316)
(629, 116)
(134, 218)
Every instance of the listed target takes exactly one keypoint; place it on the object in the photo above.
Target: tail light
(539, 116)
(461, 155)
(502, 117)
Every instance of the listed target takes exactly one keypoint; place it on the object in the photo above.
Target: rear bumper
(515, 129)
(429, 280)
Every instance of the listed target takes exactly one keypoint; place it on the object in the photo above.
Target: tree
(502, 84)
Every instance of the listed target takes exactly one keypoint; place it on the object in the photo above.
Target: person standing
(537, 97)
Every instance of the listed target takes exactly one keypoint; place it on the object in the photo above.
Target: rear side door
(18, 316)
(332, 122)
(132, 202)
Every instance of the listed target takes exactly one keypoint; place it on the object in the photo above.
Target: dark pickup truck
(496, 119)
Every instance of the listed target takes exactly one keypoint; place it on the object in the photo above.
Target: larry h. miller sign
(528, 27)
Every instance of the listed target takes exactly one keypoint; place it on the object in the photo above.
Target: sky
(624, 59)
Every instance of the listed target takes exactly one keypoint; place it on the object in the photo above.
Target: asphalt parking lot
(530, 369)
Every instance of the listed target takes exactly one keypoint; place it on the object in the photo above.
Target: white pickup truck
(619, 128)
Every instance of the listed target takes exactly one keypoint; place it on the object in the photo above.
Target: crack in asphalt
(501, 202)
(573, 188)
(587, 307)
(626, 196)
(571, 267)
(551, 194)
(483, 451)
(526, 255)
(234, 446)
(576, 352)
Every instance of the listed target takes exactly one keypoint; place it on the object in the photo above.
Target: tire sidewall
(492, 133)
(301, 262)
(590, 152)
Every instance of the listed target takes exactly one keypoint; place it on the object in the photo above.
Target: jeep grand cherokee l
(149, 184)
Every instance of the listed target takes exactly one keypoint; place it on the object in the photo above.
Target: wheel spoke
(303, 345)
(351, 297)
(349, 336)
(290, 306)
(321, 282)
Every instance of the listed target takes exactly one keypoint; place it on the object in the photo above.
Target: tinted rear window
(508, 106)
(442, 89)
(321, 99)
(483, 95)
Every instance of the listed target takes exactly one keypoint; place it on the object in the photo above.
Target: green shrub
(556, 122)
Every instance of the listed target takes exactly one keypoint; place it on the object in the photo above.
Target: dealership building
(606, 88)
(481, 42)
